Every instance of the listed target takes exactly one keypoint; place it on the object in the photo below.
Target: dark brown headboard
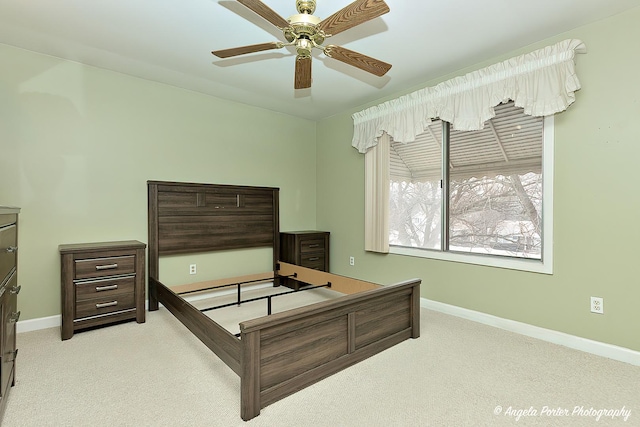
(188, 218)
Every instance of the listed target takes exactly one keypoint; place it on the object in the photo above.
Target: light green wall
(596, 196)
(79, 143)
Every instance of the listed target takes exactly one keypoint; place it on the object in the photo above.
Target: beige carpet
(458, 373)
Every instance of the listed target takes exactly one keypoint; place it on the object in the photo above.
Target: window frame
(543, 265)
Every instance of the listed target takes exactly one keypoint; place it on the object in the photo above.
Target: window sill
(530, 265)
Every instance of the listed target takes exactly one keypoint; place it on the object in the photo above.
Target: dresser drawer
(7, 219)
(8, 248)
(100, 267)
(98, 306)
(9, 317)
(311, 245)
(105, 288)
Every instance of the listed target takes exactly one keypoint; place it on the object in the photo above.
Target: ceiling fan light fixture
(304, 47)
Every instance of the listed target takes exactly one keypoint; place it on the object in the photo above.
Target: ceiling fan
(306, 32)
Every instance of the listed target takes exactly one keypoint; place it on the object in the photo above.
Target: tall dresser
(8, 300)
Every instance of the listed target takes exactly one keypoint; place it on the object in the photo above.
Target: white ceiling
(170, 41)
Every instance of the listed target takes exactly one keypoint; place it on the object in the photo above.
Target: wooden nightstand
(306, 248)
(102, 283)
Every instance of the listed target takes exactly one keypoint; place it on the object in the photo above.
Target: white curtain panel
(376, 198)
(542, 82)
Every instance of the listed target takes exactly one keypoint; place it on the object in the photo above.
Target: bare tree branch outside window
(495, 188)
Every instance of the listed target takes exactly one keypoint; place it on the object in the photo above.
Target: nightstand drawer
(315, 261)
(105, 288)
(312, 245)
(109, 266)
(98, 306)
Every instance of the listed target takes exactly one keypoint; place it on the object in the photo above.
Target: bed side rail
(343, 284)
(225, 345)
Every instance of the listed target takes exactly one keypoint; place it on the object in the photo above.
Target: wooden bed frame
(278, 354)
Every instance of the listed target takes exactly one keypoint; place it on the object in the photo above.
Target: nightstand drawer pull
(106, 288)
(106, 267)
(107, 304)
(12, 249)
(315, 258)
(314, 246)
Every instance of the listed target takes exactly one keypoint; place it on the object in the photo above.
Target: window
(475, 196)
(494, 203)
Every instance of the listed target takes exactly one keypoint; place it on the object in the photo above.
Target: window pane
(495, 202)
(415, 214)
(415, 194)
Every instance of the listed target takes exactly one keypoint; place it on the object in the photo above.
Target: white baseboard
(594, 347)
(37, 324)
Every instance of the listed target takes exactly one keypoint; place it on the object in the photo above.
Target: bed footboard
(286, 352)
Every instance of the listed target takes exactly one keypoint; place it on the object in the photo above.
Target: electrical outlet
(597, 305)
(352, 261)
(192, 269)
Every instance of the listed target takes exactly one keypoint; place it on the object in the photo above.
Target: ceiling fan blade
(266, 12)
(364, 62)
(226, 53)
(303, 72)
(358, 12)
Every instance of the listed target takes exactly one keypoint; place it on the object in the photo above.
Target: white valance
(542, 82)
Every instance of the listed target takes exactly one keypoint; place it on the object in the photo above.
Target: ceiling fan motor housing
(304, 26)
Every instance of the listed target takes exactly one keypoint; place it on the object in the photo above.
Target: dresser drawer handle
(314, 245)
(106, 288)
(16, 289)
(107, 304)
(14, 317)
(106, 267)
(12, 249)
(315, 258)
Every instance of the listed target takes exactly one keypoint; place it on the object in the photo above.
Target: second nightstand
(305, 248)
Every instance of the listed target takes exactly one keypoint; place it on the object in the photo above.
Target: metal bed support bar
(234, 284)
(267, 297)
